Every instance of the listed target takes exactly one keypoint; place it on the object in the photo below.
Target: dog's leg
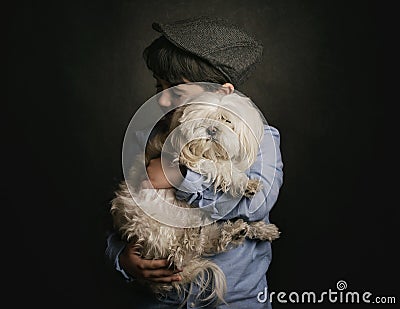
(262, 231)
(240, 184)
(237, 231)
(253, 186)
(220, 237)
(183, 246)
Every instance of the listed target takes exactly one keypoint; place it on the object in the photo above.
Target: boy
(208, 50)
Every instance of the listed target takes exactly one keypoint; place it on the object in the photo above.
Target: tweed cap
(224, 45)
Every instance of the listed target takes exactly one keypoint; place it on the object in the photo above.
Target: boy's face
(177, 95)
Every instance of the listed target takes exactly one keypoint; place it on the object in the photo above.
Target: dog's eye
(228, 121)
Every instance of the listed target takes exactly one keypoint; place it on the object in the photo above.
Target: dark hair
(172, 64)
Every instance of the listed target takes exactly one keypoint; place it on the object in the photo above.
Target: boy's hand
(162, 176)
(153, 270)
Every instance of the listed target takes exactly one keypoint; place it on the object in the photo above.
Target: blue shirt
(245, 267)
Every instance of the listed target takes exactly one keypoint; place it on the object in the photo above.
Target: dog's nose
(212, 131)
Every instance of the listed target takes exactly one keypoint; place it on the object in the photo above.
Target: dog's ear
(248, 145)
(250, 130)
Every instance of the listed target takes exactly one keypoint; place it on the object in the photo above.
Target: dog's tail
(207, 281)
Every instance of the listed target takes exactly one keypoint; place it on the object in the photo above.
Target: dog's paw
(263, 231)
(253, 186)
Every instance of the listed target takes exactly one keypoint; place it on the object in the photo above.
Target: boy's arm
(113, 251)
(268, 168)
(123, 255)
(132, 266)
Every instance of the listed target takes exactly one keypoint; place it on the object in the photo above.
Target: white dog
(217, 136)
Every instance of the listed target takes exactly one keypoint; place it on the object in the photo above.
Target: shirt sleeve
(268, 167)
(114, 248)
(131, 148)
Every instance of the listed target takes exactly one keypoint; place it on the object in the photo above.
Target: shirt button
(192, 305)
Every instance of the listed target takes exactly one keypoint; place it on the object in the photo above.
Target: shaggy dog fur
(209, 137)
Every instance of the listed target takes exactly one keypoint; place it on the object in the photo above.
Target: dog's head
(217, 127)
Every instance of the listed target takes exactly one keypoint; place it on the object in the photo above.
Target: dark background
(75, 77)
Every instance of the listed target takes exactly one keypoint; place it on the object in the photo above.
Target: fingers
(133, 255)
(157, 268)
(166, 279)
(152, 264)
(152, 270)
(156, 271)
(161, 275)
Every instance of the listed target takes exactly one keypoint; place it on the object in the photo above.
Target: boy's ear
(226, 88)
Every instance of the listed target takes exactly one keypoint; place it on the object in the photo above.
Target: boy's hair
(173, 64)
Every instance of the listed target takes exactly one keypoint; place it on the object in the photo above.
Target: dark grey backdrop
(76, 77)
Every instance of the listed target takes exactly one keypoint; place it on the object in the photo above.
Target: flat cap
(224, 45)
